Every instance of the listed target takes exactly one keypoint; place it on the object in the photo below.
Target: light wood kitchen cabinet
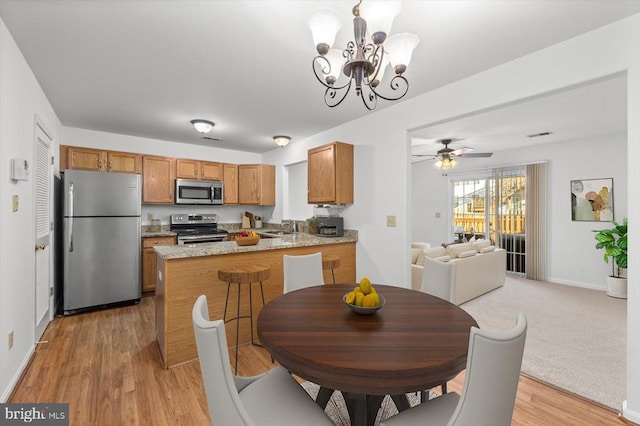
(330, 174)
(149, 261)
(230, 180)
(195, 169)
(158, 179)
(79, 158)
(257, 184)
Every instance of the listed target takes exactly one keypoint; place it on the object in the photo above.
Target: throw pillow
(442, 258)
(480, 244)
(415, 252)
(487, 249)
(467, 254)
(454, 249)
(435, 252)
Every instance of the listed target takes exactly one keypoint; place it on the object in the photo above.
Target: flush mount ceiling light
(363, 61)
(203, 126)
(281, 140)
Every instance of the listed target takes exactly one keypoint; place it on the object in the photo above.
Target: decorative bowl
(247, 241)
(362, 310)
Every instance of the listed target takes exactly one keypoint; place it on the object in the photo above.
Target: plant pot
(617, 287)
(313, 228)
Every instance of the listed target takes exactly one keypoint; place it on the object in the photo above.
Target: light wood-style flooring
(106, 365)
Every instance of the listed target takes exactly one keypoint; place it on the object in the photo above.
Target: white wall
(111, 141)
(569, 243)
(21, 98)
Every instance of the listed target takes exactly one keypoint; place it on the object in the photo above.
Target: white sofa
(464, 271)
(417, 260)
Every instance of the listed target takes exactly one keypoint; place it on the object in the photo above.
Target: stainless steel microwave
(189, 191)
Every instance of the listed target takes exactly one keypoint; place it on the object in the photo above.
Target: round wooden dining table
(414, 342)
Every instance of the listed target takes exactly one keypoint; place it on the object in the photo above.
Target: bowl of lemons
(364, 299)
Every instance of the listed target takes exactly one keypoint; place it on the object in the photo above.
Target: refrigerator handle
(70, 210)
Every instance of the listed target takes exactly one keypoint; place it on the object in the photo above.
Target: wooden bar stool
(248, 274)
(332, 262)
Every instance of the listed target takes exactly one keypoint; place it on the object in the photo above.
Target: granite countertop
(299, 239)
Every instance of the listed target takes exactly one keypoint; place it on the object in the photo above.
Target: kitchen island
(187, 271)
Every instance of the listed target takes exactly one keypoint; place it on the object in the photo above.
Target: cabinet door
(248, 184)
(230, 179)
(124, 162)
(149, 260)
(187, 169)
(257, 184)
(321, 175)
(86, 159)
(158, 175)
(211, 171)
(330, 174)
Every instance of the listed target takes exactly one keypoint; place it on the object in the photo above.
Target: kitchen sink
(273, 234)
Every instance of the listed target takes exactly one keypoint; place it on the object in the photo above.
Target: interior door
(43, 255)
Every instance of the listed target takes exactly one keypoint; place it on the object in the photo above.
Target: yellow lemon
(365, 285)
(357, 289)
(376, 298)
(370, 301)
(359, 299)
(351, 297)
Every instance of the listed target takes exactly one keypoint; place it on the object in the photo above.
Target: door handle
(40, 247)
(71, 205)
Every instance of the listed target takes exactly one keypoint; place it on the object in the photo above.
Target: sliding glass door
(493, 207)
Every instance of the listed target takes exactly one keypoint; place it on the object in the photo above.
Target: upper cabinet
(230, 180)
(202, 170)
(330, 174)
(79, 158)
(257, 184)
(158, 178)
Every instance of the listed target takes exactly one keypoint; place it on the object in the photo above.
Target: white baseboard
(576, 284)
(16, 377)
(630, 415)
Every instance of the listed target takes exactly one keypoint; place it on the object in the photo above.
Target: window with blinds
(42, 189)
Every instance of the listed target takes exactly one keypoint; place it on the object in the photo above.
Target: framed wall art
(592, 200)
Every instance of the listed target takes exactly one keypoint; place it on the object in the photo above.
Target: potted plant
(614, 243)
(312, 225)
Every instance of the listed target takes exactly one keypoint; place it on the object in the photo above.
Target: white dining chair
(273, 398)
(302, 271)
(490, 384)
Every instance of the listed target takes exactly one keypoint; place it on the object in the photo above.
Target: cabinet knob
(40, 247)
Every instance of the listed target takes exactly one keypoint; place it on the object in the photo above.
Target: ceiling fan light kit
(363, 61)
(446, 157)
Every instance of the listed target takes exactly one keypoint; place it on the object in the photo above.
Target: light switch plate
(391, 221)
(437, 215)
(15, 202)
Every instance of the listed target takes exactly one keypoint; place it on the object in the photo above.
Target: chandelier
(363, 61)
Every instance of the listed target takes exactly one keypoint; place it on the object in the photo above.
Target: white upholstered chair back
(491, 378)
(302, 271)
(225, 406)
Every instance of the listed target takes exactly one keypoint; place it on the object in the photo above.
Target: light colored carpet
(337, 410)
(576, 337)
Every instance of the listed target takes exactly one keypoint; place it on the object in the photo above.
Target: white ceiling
(146, 68)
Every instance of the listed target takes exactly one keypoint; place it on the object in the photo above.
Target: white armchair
(490, 384)
(273, 398)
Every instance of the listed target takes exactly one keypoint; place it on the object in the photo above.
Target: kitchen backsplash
(226, 214)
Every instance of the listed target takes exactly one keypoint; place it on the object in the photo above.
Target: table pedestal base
(363, 409)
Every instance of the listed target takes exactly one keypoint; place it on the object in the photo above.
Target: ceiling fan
(446, 157)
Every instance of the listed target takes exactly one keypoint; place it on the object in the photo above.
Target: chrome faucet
(289, 226)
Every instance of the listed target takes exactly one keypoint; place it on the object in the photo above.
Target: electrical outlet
(10, 339)
(391, 221)
(16, 203)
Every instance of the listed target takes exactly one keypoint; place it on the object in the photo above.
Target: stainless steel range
(197, 228)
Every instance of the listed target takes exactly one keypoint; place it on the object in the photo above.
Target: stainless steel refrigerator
(101, 239)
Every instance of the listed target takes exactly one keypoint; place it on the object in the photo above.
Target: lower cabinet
(149, 263)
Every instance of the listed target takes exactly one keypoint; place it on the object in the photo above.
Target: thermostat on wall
(19, 169)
